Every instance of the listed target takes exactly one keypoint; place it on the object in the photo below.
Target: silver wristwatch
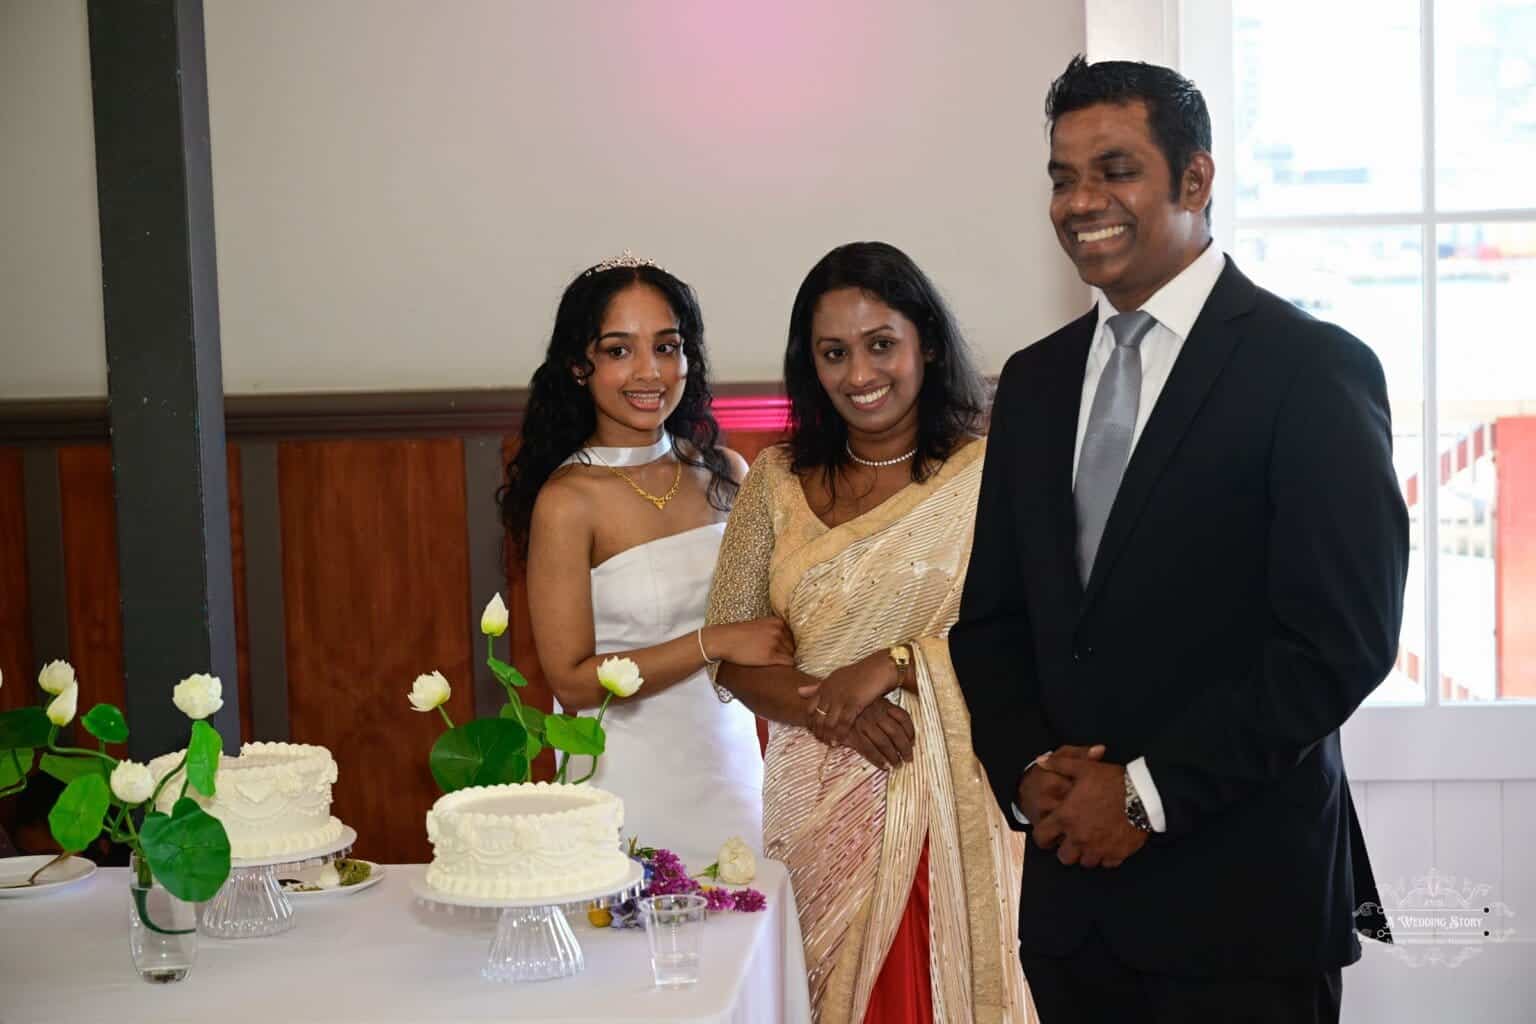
(1135, 811)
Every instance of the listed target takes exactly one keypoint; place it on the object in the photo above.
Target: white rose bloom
(132, 782)
(56, 677)
(619, 676)
(736, 863)
(62, 709)
(198, 696)
(429, 691)
(493, 621)
(329, 877)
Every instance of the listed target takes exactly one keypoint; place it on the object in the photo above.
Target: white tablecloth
(381, 956)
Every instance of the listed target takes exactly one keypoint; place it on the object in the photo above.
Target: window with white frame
(1377, 167)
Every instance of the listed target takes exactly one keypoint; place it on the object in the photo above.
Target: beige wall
(402, 189)
(51, 342)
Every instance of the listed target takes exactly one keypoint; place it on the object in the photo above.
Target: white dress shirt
(1175, 307)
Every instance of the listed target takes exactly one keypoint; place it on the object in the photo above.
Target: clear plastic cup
(674, 925)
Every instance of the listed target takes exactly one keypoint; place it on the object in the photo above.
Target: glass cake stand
(534, 941)
(251, 903)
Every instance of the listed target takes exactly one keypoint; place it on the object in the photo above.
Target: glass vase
(162, 929)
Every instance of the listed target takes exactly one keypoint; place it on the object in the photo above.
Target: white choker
(623, 458)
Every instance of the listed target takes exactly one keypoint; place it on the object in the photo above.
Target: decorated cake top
(549, 802)
(261, 762)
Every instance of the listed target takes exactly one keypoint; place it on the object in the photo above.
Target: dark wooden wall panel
(524, 655)
(237, 561)
(20, 679)
(376, 591)
(90, 568)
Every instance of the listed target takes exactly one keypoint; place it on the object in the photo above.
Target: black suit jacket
(1245, 598)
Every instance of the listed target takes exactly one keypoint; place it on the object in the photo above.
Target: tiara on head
(626, 259)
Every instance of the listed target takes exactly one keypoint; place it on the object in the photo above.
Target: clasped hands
(846, 710)
(1076, 805)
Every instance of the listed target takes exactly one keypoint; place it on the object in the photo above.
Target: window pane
(1486, 364)
(1327, 107)
(1368, 281)
(1485, 104)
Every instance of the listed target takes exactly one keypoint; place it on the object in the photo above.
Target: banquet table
(381, 955)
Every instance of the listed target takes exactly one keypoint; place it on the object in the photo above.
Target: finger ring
(820, 711)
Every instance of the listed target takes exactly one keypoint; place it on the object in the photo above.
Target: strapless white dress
(687, 767)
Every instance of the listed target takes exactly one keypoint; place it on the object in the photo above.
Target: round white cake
(274, 799)
(525, 841)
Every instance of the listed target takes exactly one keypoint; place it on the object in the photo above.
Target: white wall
(402, 189)
(51, 340)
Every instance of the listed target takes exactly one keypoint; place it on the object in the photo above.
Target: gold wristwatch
(901, 657)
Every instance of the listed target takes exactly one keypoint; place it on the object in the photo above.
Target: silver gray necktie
(1107, 441)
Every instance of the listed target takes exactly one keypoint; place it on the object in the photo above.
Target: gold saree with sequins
(850, 833)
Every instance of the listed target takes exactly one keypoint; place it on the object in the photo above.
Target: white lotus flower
(56, 677)
(132, 783)
(493, 621)
(429, 691)
(736, 864)
(61, 711)
(198, 696)
(619, 676)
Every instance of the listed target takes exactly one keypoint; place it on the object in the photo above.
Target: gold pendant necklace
(659, 501)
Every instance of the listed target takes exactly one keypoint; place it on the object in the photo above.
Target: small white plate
(18, 869)
(310, 874)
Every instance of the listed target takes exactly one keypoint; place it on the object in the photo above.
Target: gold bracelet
(698, 635)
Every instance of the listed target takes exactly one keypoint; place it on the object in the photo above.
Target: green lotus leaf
(484, 752)
(506, 673)
(67, 769)
(575, 735)
(187, 850)
(106, 723)
(203, 753)
(24, 727)
(78, 814)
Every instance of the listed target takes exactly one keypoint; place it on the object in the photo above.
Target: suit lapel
(1066, 397)
(1210, 343)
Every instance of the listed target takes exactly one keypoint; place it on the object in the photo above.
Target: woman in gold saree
(857, 532)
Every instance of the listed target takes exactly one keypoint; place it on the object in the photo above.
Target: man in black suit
(1188, 571)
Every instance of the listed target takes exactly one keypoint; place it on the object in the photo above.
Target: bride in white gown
(617, 498)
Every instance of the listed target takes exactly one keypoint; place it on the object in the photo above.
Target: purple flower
(749, 901)
(625, 915)
(719, 899)
(672, 885)
(668, 876)
(667, 862)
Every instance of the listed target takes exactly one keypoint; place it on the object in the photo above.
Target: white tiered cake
(274, 799)
(525, 841)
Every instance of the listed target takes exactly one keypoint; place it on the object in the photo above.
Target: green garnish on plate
(353, 871)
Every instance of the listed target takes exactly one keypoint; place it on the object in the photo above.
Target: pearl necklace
(876, 463)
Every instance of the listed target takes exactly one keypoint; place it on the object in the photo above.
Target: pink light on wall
(757, 413)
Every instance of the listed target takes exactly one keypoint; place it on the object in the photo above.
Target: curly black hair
(951, 402)
(560, 416)
(1176, 112)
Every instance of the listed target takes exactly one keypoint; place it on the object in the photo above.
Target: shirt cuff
(1141, 779)
(1018, 815)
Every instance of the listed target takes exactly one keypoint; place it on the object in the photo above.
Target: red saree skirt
(903, 992)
